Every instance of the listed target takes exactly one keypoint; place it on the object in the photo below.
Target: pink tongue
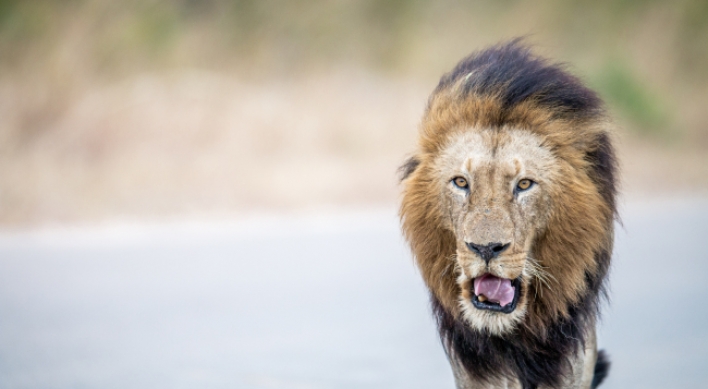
(495, 289)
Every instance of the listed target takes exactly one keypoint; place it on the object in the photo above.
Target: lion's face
(496, 186)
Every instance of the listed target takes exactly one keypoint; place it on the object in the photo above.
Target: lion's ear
(408, 167)
(604, 167)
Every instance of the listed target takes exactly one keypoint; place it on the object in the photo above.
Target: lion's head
(508, 202)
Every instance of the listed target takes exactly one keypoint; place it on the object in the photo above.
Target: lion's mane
(508, 87)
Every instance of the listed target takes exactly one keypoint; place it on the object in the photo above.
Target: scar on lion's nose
(489, 251)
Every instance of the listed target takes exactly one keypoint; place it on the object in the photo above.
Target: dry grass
(184, 142)
(154, 108)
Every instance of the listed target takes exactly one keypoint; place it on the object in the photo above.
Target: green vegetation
(633, 99)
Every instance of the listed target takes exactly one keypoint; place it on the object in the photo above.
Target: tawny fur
(570, 223)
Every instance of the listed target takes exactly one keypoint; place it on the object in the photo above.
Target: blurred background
(203, 193)
(146, 109)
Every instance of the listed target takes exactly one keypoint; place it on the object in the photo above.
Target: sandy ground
(308, 300)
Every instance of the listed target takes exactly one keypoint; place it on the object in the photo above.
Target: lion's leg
(583, 365)
(586, 363)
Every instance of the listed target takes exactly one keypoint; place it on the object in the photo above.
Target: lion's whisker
(539, 272)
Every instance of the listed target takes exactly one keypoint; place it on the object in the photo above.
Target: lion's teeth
(482, 298)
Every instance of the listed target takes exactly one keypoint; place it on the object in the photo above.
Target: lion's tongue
(495, 289)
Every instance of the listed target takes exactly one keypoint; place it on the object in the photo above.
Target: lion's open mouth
(496, 294)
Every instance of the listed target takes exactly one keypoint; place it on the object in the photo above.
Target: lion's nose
(487, 252)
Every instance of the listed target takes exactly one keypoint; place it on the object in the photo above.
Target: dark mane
(523, 355)
(510, 72)
(535, 361)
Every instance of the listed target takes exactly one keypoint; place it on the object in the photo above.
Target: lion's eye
(524, 184)
(460, 182)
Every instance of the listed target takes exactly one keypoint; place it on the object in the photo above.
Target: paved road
(328, 301)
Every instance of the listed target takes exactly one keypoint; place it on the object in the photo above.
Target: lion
(508, 205)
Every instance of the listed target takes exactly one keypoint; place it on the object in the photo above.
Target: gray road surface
(309, 301)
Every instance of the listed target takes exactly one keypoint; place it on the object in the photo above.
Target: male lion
(508, 205)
